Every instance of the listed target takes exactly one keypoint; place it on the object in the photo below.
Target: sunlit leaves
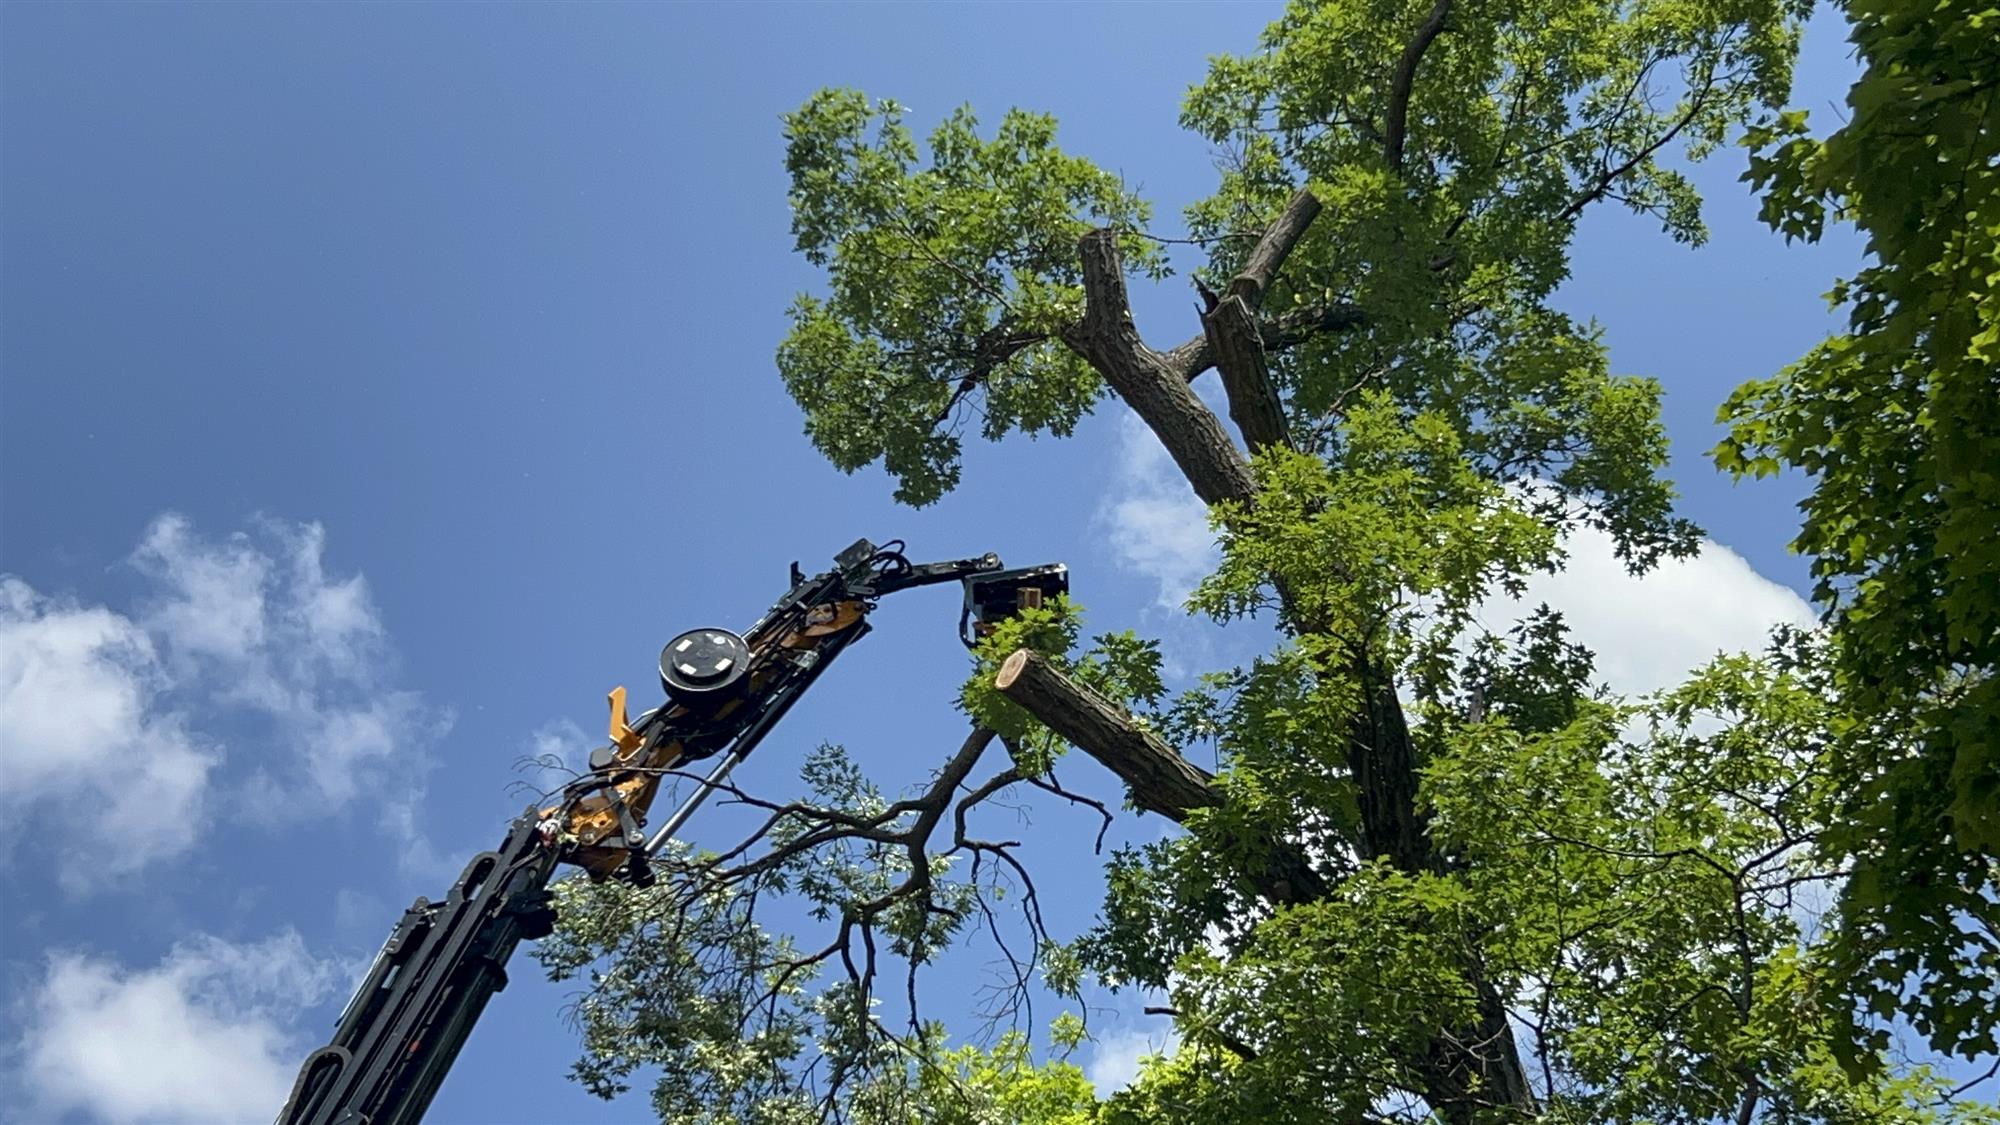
(1122, 667)
(1897, 424)
(1398, 520)
(1520, 117)
(947, 281)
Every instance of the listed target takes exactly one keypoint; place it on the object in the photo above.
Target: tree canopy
(1897, 424)
(1440, 874)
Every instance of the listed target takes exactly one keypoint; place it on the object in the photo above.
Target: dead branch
(1268, 256)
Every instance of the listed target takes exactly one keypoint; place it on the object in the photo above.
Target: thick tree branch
(1155, 774)
(1231, 329)
(1160, 779)
(1155, 391)
(1234, 338)
(1268, 256)
(1242, 332)
(1396, 124)
(1383, 760)
(1292, 328)
(1465, 1068)
(1287, 330)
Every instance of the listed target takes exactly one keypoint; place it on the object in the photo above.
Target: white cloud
(214, 605)
(245, 628)
(1156, 526)
(1114, 1060)
(257, 622)
(560, 750)
(1649, 632)
(81, 737)
(204, 1036)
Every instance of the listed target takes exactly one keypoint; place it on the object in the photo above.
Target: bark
(1243, 330)
(1160, 780)
(1106, 337)
(1154, 384)
(1396, 127)
(1157, 776)
(1269, 255)
(1234, 338)
(1193, 358)
(1231, 329)
(1383, 760)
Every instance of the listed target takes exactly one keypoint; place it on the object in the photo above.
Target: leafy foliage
(685, 979)
(1520, 116)
(1638, 876)
(1441, 875)
(1121, 666)
(962, 269)
(1896, 423)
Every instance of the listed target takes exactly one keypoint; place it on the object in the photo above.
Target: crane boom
(399, 1035)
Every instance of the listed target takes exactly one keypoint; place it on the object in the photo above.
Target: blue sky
(350, 358)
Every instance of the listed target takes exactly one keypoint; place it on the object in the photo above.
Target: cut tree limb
(1152, 387)
(1155, 774)
(1154, 384)
(1463, 1068)
(1160, 779)
(1268, 256)
(1235, 339)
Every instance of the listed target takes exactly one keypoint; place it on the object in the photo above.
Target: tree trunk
(1464, 1070)
(1148, 383)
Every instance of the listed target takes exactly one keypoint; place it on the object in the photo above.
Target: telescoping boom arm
(404, 1027)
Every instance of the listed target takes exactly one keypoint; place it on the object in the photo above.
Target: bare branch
(1235, 341)
(994, 347)
(1050, 785)
(1697, 101)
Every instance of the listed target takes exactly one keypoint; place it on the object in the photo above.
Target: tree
(1897, 423)
(1439, 873)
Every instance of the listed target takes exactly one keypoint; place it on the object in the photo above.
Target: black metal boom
(410, 1017)
(444, 960)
